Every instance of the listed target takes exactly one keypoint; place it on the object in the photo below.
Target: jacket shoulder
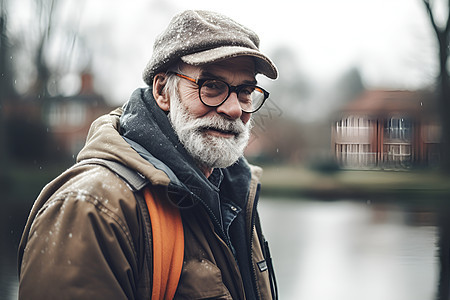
(85, 228)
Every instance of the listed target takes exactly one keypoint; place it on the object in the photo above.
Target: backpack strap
(268, 257)
(134, 179)
(168, 245)
(166, 237)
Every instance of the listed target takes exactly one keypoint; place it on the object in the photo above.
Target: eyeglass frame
(231, 89)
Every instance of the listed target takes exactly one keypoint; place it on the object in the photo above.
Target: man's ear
(163, 100)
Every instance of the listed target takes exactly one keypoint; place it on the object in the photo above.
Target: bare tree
(50, 42)
(45, 16)
(37, 53)
(6, 74)
(6, 88)
(442, 32)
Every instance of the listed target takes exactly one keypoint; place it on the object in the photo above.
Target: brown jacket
(87, 235)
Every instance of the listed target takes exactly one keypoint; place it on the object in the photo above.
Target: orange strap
(168, 246)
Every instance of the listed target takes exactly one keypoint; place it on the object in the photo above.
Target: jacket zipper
(228, 243)
(250, 250)
(255, 280)
(214, 218)
(225, 239)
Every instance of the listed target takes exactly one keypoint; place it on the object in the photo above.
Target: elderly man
(161, 203)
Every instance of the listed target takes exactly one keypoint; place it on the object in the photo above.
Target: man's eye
(247, 90)
(215, 85)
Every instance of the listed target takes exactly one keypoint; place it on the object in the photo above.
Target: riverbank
(284, 181)
(411, 185)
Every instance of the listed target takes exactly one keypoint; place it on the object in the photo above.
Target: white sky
(390, 41)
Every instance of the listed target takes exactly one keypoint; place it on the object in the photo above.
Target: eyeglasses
(214, 92)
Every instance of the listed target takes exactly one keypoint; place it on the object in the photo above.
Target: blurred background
(354, 139)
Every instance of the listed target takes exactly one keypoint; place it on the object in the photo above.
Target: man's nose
(231, 107)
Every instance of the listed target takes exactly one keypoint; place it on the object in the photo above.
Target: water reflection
(350, 250)
(323, 250)
(8, 278)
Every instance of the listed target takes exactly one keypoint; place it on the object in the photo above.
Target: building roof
(385, 102)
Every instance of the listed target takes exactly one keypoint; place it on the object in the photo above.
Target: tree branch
(430, 14)
(447, 28)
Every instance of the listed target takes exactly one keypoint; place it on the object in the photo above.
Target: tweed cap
(202, 37)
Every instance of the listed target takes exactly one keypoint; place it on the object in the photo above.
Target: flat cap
(201, 37)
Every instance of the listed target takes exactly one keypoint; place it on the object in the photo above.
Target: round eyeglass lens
(213, 92)
(250, 98)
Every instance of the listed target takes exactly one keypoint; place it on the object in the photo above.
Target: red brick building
(69, 118)
(52, 127)
(387, 129)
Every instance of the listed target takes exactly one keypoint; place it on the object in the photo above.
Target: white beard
(207, 150)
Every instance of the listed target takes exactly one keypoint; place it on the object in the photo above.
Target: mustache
(218, 123)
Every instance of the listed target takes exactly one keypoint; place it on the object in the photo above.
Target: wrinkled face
(215, 136)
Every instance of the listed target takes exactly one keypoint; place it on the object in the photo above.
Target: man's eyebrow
(208, 75)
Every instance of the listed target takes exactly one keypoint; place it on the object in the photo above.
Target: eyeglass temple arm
(186, 77)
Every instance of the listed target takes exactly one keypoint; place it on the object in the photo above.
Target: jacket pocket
(201, 279)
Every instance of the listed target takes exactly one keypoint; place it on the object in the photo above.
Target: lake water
(324, 250)
(351, 250)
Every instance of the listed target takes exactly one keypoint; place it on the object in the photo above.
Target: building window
(355, 155)
(66, 114)
(76, 114)
(54, 115)
(397, 129)
(397, 155)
